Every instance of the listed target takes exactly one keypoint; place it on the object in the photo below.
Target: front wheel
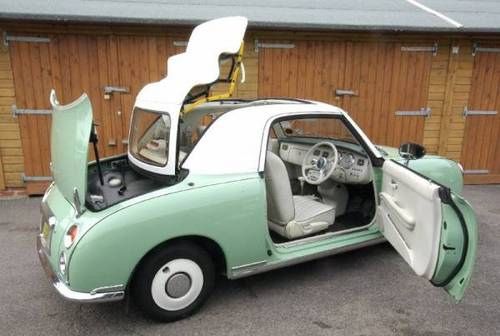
(174, 282)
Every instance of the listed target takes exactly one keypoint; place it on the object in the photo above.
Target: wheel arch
(209, 245)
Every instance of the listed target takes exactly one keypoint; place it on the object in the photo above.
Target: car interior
(318, 179)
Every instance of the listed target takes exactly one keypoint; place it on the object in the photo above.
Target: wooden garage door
(383, 85)
(73, 64)
(481, 144)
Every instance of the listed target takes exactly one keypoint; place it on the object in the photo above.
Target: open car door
(434, 230)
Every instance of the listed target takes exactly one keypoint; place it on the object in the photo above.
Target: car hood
(71, 126)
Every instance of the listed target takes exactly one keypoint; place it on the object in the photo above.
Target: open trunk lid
(71, 126)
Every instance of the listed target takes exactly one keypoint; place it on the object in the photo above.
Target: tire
(174, 282)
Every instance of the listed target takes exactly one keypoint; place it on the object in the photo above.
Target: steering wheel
(316, 169)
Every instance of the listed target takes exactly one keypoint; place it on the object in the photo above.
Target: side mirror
(411, 151)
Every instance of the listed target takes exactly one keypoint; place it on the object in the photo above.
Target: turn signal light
(70, 236)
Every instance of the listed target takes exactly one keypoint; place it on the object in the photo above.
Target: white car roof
(236, 142)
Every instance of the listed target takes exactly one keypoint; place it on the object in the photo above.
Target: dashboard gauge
(347, 160)
(316, 152)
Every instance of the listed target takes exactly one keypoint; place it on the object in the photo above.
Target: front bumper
(65, 291)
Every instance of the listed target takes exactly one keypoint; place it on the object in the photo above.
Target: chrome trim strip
(69, 294)
(271, 266)
(107, 289)
(248, 265)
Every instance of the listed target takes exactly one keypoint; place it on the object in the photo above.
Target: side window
(331, 128)
(150, 135)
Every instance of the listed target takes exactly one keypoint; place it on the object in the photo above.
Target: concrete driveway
(366, 292)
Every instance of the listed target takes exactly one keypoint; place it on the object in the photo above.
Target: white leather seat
(292, 216)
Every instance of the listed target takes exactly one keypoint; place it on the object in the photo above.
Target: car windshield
(149, 136)
(325, 128)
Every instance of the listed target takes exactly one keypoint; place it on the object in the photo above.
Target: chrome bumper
(65, 291)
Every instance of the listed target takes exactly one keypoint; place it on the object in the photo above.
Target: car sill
(255, 268)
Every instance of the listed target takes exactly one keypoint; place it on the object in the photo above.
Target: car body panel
(70, 132)
(421, 219)
(198, 65)
(234, 219)
(451, 248)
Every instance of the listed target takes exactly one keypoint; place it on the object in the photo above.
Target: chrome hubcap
(178, 285)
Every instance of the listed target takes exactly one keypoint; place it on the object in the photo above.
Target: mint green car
(264, 184)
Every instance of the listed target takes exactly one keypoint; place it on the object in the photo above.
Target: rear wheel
(174, 282)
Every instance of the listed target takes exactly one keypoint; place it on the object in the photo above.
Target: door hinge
(344, 92)
(17, 111)
(424, 111)
(259, 45)
(36, 178)
(476, 171)
(110, 89)
(433, 49)
(468, 112)
(476, 48)
(180, 43)
(23, 38)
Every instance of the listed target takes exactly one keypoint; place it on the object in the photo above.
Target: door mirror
(411, 151)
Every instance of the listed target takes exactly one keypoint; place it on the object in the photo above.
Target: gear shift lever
(301, 180)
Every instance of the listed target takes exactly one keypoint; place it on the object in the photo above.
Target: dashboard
(353, 167)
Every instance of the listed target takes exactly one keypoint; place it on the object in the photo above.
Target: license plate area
(47, 224)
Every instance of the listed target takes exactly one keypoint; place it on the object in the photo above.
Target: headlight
(62, 262)
(70, 236)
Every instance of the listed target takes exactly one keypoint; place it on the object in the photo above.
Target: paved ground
(366, 292)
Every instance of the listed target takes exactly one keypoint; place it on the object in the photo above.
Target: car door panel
(407, 202)
(426, 225)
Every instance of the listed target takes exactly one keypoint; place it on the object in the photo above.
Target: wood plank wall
(11, 154)
(448, 91)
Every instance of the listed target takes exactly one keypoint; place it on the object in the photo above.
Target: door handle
(394, 185)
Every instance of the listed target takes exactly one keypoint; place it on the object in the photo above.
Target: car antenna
(93, 138)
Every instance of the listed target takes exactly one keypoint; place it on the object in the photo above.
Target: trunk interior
(120, 182)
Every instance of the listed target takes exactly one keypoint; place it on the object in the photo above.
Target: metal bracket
(424, 111)
(476, 48)
(468, 112)
(36, 178)
(20, 38)
(180, 43)
(476, 171)
(433, 49)
(259, 45)
(110, 89)
(344, 92)
(119, 89)
(16, 111)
